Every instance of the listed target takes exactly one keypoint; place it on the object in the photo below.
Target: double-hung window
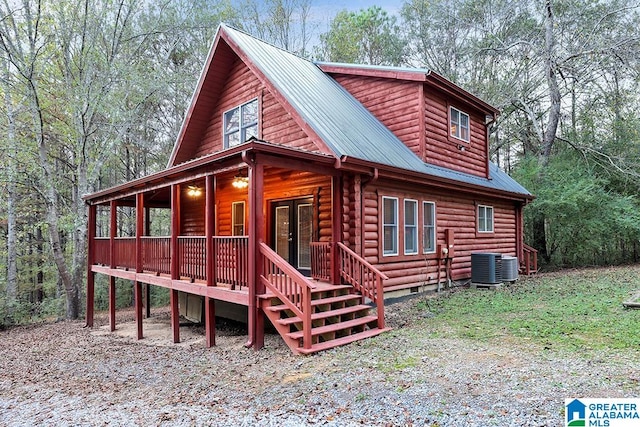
(241, 123)
(237, 218)
(390, 225)
(485, 219)
(410, 227)
(429, 227)
(458, 124)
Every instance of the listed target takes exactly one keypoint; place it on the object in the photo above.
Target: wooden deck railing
(530, 259)
(191, 257)
(125, 252)
(290, 286)
(364, 277)
(231, 261)
(156, 254)
(321, 260)
(102, 251)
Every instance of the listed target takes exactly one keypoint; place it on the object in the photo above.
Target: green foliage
(585, 221)
(369, 36)
(576, 311)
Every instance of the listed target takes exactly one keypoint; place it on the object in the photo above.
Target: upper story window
(429, 227)
(241, 123)
(458, 124)
(410, 227)
(390, 225)
(485, 219)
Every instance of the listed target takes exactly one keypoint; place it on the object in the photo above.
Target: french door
(292, 232)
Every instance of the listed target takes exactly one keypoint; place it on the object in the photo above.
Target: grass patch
(577, 309)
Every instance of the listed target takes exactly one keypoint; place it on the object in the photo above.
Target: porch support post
(336, 227)
(91, 235)
(147, 286)
(137, 291)
(175, 266)
(209, 303)
(256, 235)
(139, 261)
(112, 303)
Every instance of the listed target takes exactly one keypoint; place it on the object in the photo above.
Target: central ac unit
(486, 268)
(510, 268)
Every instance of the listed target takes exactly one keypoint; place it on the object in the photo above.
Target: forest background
(94, 93)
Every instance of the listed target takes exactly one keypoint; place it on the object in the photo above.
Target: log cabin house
(307, 193)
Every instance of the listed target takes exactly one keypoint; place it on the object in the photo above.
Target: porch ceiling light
(194, 191)
(240, 182)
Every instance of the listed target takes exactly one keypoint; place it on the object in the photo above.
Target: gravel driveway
(64, 375)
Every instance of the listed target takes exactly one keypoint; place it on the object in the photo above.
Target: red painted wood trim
(336, 226)
(112, 303)
(175, 315)
(138, 301)
(91, 247)
(112, 232)
(175, 230)
(209, 224)
(210, 321)
(139, 230)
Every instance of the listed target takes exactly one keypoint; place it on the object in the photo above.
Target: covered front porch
(218, 227)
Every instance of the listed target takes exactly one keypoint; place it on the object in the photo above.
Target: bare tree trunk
(12, 264)
(552, 84)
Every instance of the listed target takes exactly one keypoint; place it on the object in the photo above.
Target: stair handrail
(354, 269)
(528, 252)
(290, 286)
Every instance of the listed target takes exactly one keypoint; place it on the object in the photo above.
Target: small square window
(458, 124)
(241, 123)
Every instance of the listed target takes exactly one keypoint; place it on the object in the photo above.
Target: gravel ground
(65, 375)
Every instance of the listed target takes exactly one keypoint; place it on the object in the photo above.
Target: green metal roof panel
(343, 123)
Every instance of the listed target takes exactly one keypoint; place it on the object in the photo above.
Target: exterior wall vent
(486, 268)
(509, 268)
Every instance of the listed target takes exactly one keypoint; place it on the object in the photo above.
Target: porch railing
(102, 251)
(364, 277)
(321, 260)
(530, 259)
(293, 289)
(156, 254)
(231, 261)
(191, 257)
(125, 252)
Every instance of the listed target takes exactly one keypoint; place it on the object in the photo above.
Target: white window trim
(485, 207)
(233, 218)
(435, 226)
(460, 113)
(242, 127)
(396, 225)
(415, 226)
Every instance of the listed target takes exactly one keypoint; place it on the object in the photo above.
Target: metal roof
(344, 124)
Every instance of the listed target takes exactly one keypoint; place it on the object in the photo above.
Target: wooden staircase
(529, 265)
(338, 317)
(314, 315)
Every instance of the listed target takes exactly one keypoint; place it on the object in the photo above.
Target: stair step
(335, 327)
(342, 341)
(330, 300)
(325, 314)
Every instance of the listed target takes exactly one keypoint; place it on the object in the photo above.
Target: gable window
(410, 227)
(458, 124)
(237, 218)
(429, 227)
(485, 219)
(390, 225)
(241, 123)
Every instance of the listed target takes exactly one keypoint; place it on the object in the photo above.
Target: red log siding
(226, 195)
(393, 102)
(457, 213)
(276, 124)
(191, 214)
(441, 149)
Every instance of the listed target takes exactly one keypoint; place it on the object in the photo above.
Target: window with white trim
(458, 124)
(237, 218)
(428, 227)
(410, 227)
(241, 123)
(485, 219)
(390, 225)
